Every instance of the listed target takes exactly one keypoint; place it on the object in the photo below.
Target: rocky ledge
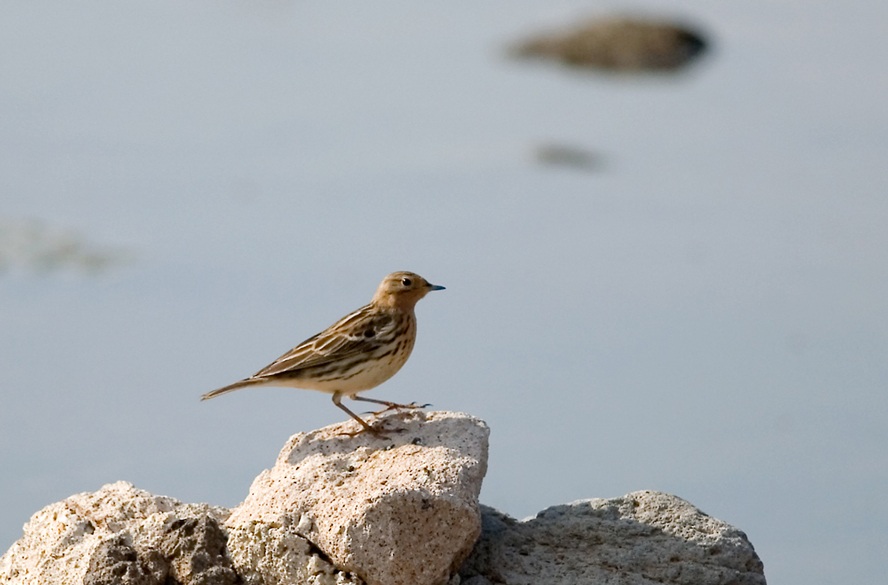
(357, 510)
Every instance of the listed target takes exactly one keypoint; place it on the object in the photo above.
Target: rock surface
(340, 510)
(120, 535)
(642, 538)
(398, 511)
(618, 44)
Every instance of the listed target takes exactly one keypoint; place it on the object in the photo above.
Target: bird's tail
(236, 386)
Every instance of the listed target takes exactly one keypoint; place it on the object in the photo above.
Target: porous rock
(278, 555)
(340, 510)
(120, 535)
(618, 44)
(390, 511)
(642, 538)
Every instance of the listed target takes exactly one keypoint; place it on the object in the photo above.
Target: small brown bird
(359, 352)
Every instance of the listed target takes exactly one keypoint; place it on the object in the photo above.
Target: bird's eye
(369, 333)
(406, 281)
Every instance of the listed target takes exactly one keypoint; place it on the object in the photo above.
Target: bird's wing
(361, 331)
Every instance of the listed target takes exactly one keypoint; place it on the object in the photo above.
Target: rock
(643, 538)
(363, 510)
(335, 510)
(402, 510)
(278, 555)
(114, 561)
(120, 535)
(618, 44)
(566, 155)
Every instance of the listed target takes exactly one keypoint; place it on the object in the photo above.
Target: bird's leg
(337, 400)
(388, 405)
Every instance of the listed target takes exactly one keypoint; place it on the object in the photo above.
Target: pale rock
(400, 510)
(120, 535)
(364, 510)
(642, 538)
(277, 555)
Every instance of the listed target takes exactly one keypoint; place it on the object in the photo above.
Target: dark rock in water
(35, 246)
(619, 44)
(564, 155)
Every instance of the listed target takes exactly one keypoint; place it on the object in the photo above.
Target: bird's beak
(435, 287)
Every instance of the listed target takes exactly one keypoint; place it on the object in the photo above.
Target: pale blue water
(707, 315)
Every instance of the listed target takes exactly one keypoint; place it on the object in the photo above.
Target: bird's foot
(395, 406)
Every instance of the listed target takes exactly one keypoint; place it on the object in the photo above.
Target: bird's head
(402, 290)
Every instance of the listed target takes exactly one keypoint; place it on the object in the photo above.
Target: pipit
(359, 352)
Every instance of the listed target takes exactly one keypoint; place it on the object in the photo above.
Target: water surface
(703, 311)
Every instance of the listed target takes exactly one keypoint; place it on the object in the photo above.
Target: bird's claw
(395, 406)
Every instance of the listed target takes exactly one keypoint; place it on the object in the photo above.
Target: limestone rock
(618, 44)
(643, 538)
(120, 535)
(277, 555)
(363, 510)
(400, 510)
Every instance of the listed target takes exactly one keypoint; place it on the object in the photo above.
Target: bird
(359, 352)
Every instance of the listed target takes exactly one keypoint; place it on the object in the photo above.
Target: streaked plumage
(359, 352)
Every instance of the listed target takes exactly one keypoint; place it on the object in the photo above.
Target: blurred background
(670, 280)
